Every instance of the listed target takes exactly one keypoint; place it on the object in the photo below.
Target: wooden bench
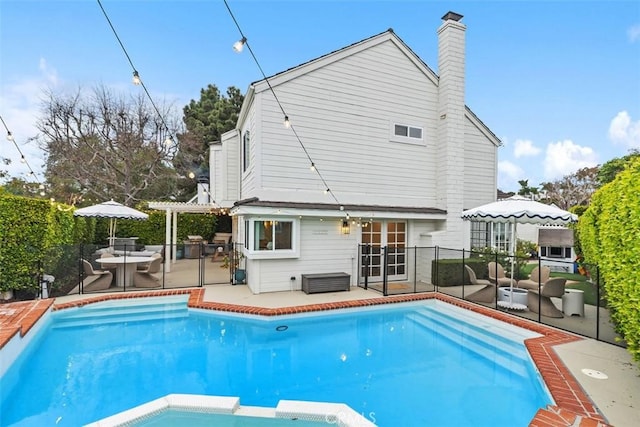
(325, 282)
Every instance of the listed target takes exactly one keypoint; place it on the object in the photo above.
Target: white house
(394, 143)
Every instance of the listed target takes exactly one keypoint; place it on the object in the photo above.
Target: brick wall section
(573, 407)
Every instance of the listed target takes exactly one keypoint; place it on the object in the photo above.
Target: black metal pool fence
(391, 270)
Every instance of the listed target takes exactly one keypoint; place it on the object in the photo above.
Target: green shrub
(31, 230)
(451, 272)
(608, 232)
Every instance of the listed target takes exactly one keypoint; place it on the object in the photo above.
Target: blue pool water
(179, 418)
(397, 365)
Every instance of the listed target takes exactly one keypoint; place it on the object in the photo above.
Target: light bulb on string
(10, 136)
(23, 159)
(326, 191)
(287, 123)
(239, 45)
(312, 167)
(136, 78)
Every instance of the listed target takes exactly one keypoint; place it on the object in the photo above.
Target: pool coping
(572, 405)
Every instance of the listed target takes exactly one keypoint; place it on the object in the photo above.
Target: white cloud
(525, 148)
(623, 130)
(48, 73)
(565, 157)
(20, 100)
(508, 175)
(633, 33)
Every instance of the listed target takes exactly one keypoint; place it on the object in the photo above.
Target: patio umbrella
(113, 211)
(518, 210)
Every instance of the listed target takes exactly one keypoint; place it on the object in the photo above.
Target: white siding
(227, 173)
(250, 178)
(323, 250)
(343, 114)
(480, 157)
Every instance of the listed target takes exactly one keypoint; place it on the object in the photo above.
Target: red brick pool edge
(573, 406)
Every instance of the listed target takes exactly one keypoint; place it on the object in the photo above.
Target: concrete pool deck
(559, 356)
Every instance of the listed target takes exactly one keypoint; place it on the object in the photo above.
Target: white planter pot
(6, 295)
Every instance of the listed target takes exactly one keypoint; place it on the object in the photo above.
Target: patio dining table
(125, 267)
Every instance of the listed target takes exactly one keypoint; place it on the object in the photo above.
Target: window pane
(401, 130)
(283, 235)
(263, 235)
(555, 251)
(415, 133)
(246, 150)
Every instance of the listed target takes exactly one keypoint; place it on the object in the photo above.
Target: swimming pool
(426, 363)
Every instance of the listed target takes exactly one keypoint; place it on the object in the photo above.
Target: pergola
(171, 224)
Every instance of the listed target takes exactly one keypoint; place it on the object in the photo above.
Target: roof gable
(331, 57)
(314, 64)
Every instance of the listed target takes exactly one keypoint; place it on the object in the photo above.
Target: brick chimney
(451, 123)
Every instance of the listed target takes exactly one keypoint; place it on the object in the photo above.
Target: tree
(20, 187)
(107, 146)
(525, 190)
(205, 121)
(610, 169)
(6, 162)
(572, 190)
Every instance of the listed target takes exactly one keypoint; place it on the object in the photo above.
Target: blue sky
(557, 81)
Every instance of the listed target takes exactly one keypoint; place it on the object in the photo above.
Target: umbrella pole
(112, 231)
(513, 256)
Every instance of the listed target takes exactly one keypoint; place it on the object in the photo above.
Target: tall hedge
(609, 232)
(152, 230)
(29, 230)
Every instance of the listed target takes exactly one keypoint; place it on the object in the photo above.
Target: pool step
(104, 314)
(480, 339)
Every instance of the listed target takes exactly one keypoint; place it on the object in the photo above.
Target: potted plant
(239, 274)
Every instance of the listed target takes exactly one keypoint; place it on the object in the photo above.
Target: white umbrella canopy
(519, 210)
(112, 210)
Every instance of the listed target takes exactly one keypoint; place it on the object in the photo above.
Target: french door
(377, 236)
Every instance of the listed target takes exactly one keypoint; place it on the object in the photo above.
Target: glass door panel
(375, 237)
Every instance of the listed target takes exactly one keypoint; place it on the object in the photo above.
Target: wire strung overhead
(136, 77)
(238, 47)
(23, 159)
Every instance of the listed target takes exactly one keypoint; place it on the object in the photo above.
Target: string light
(238, 48)
(136, 76)
(239, 45)
(23, 159)
(312, 167)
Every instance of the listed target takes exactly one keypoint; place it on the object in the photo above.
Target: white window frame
(406, 139)
(252, 253)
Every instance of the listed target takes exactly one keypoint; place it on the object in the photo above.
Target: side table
(573, 302)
